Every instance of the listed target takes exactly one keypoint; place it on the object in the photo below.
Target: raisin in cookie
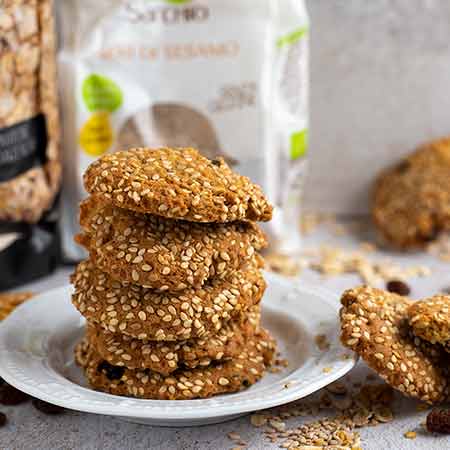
(374, 324)
(176, 183)
(229, 376)
(166, 357)
(164, 254)
(412, 200)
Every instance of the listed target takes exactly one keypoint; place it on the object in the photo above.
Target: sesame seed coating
(166, 357)
(176, 183)
(143, 313)
(374, 324)
(412, 200)
(229, 376)
(162, 253)
(430, 319)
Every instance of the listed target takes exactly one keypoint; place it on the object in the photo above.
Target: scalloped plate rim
(159, 411)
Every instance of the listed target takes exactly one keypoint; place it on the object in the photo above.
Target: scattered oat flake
(283, 264)
(234, 436)
(277, 425)
(410, 435)
(331, 261)
(258, 420)
(327, 369)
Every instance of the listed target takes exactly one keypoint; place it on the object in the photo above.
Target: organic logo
(100, 93)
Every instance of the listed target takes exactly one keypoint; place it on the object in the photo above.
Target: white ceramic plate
(36, 356)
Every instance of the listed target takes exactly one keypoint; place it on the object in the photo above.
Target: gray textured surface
(380, 74)
(31, 430)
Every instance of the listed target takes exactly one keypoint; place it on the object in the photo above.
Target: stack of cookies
(172, 286)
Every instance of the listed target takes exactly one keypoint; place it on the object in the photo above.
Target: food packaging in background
(229, 78)
(30, 168)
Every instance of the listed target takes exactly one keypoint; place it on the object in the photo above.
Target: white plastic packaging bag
(227, 77)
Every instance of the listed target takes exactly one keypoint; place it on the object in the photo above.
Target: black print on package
(22, 146)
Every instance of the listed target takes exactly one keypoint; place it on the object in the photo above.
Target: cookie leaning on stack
(172, 287)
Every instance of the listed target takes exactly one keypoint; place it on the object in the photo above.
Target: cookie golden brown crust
(176, 183)
(164, 254)
(230, 376)
(166, 357)
(374, 324)
(412, 200)
(430, 319)
(121, 307)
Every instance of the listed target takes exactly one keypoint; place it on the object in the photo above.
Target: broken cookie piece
(374, 324)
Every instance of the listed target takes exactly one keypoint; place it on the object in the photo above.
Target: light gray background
(380, 75)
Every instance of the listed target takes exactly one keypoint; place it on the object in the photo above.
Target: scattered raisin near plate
(9, 395)
(47, 408)
(398, 287)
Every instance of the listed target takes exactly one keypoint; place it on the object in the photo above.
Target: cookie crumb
(410, 435)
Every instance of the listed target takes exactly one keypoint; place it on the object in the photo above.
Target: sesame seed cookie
(142, 313)
(430, 319)
(164, 254)
(374, 324)
(230, 376)
(412, 200)
(166, 357)
(176, 183)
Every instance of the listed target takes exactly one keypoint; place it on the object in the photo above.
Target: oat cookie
(166, 357)
(139, 312)
(176, 183)
(230, 376)
(412, 200)
(374, 324)
(430, 319)
(164, 254)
